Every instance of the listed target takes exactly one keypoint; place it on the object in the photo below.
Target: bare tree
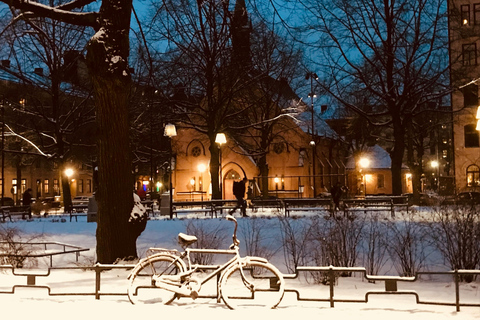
(201, 81)
(408, 244)
(107, 61)
(49, 112)
(394, 51)
(456, 234)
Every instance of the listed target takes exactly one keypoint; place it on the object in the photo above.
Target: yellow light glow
(201, 168)
(408, 175)
(145, 182)
(364, 162)
(276, 179)
(69, 172)
(434, 164)
(220, 138)
(170, 130)
(368, 177)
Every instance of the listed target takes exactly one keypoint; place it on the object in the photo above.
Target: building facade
(464, 31)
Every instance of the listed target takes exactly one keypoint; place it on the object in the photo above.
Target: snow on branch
(13, 133)
(60, 13)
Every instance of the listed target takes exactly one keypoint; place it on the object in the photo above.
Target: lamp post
(312, 76)
(435, 166)
(170, 131)
(68, 173)
(364, 163)
(276, 185)
(220, 139)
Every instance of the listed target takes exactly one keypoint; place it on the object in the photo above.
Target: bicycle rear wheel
(268, 286)
(142, 289)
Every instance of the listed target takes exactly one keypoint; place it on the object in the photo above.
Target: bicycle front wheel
(266, 291)
(142, 289)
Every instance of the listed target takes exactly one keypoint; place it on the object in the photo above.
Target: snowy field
(36, 304)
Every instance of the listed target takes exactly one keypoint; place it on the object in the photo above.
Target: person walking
(336, 193)
(27, 201)
(239, 193)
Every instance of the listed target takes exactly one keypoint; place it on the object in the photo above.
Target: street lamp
(220, 139)
(312, 76)
(364, 163)
(276, 185)
(435, 165)
(170, 131)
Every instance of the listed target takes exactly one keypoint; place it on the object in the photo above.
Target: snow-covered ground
(35, 303)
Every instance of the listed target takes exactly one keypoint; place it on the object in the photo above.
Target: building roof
(379, 159)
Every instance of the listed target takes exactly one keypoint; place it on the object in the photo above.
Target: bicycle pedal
(194, 294)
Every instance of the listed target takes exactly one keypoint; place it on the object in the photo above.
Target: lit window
(46, 188)
(14, 186)
(56, 187)
(473, 176)
(465, 14)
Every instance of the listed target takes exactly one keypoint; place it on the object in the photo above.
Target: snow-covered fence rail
(390, 285)
(14, 249)
(111, 280)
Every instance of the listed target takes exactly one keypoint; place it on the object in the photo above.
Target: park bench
(186, 207)
(307, 204)
(277, 204)
(8, 212)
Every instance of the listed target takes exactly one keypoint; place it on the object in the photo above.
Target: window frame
(465, 14)
(473, 176)
(471, 135)
(469, 54)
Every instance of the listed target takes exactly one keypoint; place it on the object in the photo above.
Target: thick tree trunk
(214, 169)
(397, 157)
(107, 58)
(263, 168)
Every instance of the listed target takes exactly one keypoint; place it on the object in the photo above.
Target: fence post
(331, 276)
(457, 291)
(97, 281)
(392, 208)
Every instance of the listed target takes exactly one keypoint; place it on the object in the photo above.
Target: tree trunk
(397, 160)
(107, 58)
(263, 168)
(214, 169)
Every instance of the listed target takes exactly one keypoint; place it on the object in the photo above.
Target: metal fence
(99, 279)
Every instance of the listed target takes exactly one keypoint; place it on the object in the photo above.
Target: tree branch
(88, 19)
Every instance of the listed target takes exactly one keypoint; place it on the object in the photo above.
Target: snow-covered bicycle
(241, 281)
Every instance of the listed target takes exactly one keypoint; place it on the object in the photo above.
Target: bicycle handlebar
(236, 242)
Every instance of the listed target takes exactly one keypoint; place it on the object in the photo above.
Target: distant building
(464, 26)
(369, 173)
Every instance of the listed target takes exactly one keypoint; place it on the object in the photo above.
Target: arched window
(302, 156)
(232, 174)
(473, 176)
(471, 136)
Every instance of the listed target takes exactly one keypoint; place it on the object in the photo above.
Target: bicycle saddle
(185, 240)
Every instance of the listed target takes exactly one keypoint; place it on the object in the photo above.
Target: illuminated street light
(364, 163)
(436, 167)
(201, 168)
(170, 131)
